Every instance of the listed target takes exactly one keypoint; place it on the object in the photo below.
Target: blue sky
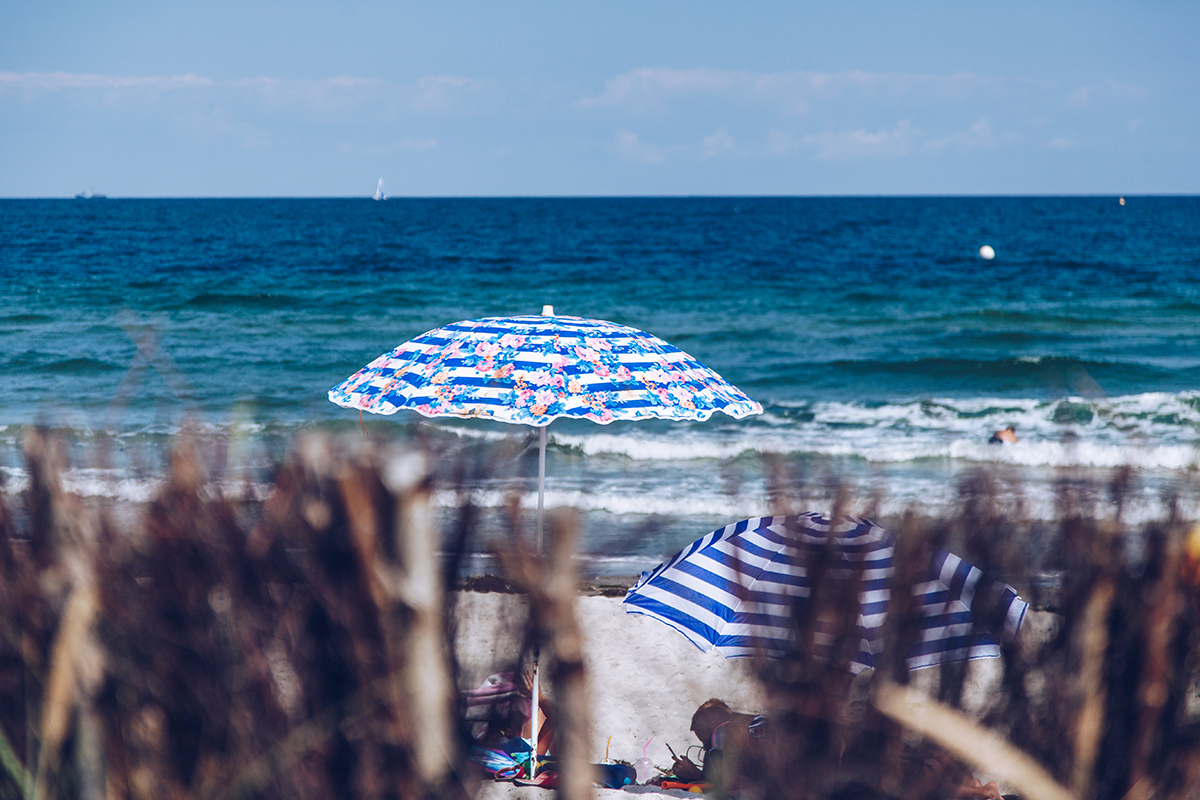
(651, 97)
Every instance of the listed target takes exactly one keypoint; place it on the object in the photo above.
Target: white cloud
(1107, 93)
(417, 143)
(631, 148)
(779, 142)
(794, 92)
(330, 96)
(58, 81)
(432, 94)
(442, 92)
(900, 140)
(1080, 97)
(979, 136)
(654, 85)
(1126, 91)
(218, 123)
(409, 144)
(843, 115)
(719, 142)
(846, 145)
(1062, 143)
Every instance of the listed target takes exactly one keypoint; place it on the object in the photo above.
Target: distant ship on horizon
(379, 195)
(90, 195)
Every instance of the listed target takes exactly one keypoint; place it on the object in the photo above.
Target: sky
(621, 97)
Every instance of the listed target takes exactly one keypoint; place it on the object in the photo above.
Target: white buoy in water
(987, 253)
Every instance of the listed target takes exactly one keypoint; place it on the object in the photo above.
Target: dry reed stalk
(967, 741)
(901, 630)
(65, 532)
(371, 559)
(552, 585)
(568, 676)
(309, 736)
(24, 647)
(814, 723)
(1165, 602)
(784, 487)
(62, 688)
(165, 602)
(421, 645)
(1091, 641)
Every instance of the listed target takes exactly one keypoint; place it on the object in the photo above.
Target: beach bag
(613, 776)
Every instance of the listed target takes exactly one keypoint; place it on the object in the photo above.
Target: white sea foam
(917, 451)
(679, 495)
(113, 484)
(658, 501)
(928, 495)
(658, 447)
(490, 433)
(1079, 454)
(1152, 431)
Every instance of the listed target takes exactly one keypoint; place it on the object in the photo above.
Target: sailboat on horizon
(379, 195)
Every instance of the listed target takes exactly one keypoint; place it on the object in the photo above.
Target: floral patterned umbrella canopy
(533, 369)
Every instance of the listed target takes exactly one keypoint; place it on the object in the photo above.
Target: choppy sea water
(882, 347)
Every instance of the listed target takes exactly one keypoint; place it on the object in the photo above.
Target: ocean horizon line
(848, 196)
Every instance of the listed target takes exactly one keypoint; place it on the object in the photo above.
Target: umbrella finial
(547, 311)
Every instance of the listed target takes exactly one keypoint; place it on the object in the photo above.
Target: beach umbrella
(737, 588)
(531, 370)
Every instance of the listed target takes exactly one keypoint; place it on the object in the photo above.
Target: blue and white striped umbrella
(533, 369)
(736, 590)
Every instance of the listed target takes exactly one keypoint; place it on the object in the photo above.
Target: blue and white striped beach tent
(736, 590)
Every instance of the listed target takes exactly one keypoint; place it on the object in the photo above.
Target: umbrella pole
(533, 707)
(533, 717)
(541, 482)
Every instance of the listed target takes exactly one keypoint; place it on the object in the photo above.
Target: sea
(883, 347)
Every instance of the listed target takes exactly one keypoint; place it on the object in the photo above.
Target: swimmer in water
(1004, 436)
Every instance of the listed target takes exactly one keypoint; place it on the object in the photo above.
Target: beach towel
(505, 759)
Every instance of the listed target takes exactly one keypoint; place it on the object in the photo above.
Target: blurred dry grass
(304, 654)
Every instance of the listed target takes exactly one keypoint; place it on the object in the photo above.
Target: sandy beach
(646, 680)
